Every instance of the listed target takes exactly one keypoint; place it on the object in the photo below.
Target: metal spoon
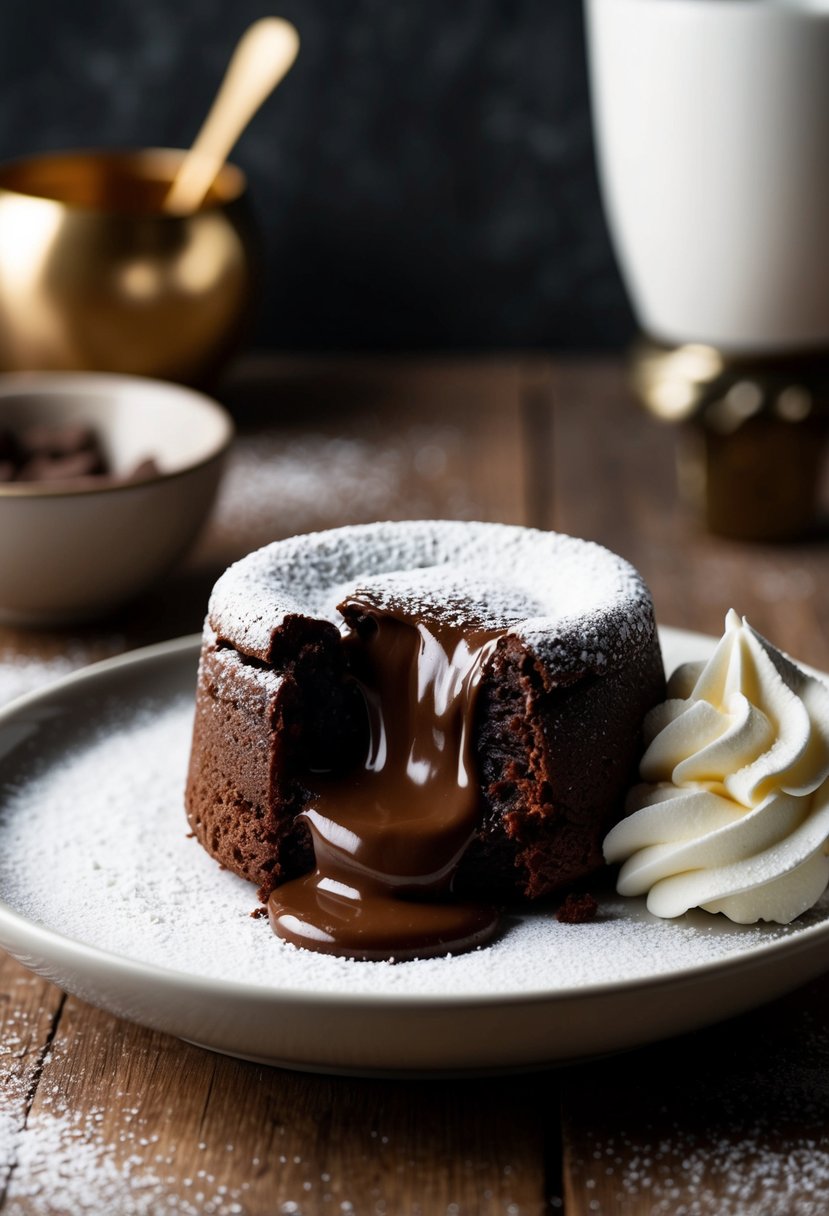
(263, 56)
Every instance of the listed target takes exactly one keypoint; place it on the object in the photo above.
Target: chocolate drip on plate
(389, 834)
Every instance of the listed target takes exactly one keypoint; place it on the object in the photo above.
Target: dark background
(424, 177)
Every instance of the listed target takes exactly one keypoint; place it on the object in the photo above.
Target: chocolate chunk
(71, 467)
(146, 468)
(56, 454)
(43, 439)
(9, 447)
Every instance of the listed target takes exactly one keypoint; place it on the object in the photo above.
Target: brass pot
(95, 277)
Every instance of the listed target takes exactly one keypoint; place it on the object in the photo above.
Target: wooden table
(97, 1115)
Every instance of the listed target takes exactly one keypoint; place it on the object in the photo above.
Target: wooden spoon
(265, 53)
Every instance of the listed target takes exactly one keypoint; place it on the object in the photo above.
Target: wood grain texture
(734, 1120)
(730, 1121)
(29, 1011)
(97, 1115)
(125, 1120)
(614, 482)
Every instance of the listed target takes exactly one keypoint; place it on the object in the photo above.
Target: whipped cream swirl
(734, 817)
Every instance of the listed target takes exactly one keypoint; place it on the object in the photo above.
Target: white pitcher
(712, 127)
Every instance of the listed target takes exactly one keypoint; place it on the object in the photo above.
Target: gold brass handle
(264, 55)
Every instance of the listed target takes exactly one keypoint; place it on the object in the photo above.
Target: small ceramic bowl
(73, 552)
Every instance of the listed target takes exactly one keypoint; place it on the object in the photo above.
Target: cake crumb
(577, 909)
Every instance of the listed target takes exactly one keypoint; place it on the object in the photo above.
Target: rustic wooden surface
(97, 1115)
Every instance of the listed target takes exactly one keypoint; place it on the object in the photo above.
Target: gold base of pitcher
(752, 436)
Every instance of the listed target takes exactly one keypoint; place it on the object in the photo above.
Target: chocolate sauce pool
(388, 835)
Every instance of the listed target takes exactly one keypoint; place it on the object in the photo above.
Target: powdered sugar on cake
(576, 605)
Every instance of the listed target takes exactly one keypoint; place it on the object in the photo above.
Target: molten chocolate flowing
(388, 836)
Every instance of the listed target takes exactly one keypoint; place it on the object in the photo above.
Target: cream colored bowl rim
(45, 384)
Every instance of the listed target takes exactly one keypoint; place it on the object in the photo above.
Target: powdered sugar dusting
(21, 673)
(730, 1123)
(678, 1173)
(274, 485)
(65, 1156)
(575, 604)
(106, 825)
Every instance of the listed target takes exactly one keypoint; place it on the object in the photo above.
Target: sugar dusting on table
(278, 485)
(731, 1122)
(63, 1155)
(679, 1174)
(107, 826)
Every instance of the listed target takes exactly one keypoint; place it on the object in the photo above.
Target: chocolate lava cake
(548, 645)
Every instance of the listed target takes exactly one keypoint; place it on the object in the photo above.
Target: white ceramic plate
(118, 906)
